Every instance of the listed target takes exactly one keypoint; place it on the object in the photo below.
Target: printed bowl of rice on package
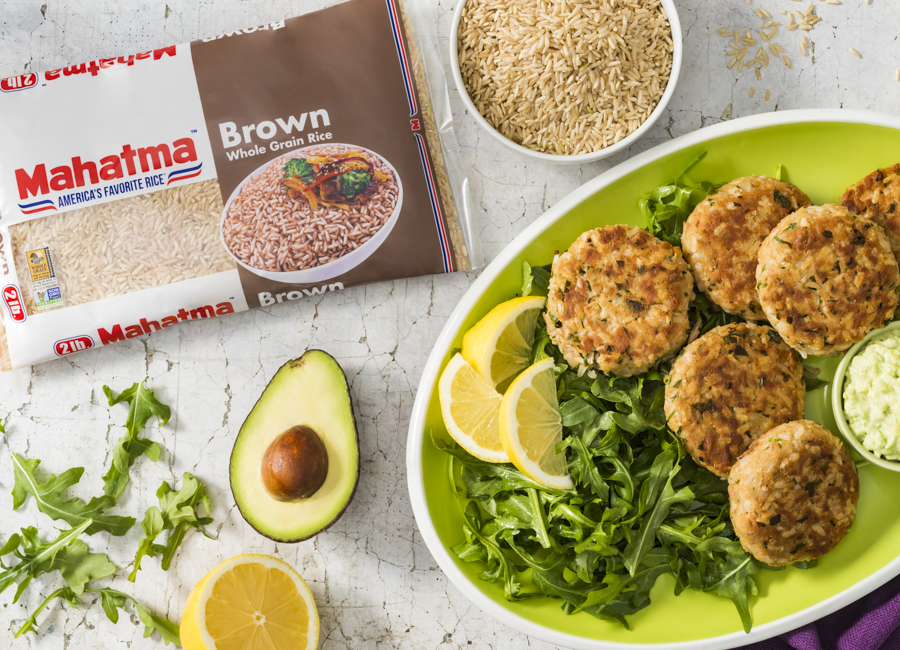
(312, 214)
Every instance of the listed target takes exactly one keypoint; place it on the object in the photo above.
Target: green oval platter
(821, 151)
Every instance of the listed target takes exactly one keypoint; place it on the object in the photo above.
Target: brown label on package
(321, 153)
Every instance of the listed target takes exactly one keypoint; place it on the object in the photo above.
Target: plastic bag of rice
(240, 171)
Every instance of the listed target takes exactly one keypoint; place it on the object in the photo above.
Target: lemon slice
(499, 345)
(469, 406)
(250, 602)
(530, 426)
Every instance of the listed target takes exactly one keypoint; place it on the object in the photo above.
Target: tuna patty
(729, 387)
(877, 197)
(793, 494)
(723, 234)
(618, 301)
(826, 278)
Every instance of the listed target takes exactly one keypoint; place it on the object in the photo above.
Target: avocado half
(309, 393)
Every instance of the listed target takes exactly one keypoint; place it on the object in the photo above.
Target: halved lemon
(470, 405)
(250, 602)
(530, 426)
(499, 345)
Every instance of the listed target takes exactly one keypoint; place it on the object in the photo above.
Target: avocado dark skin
(295, 464)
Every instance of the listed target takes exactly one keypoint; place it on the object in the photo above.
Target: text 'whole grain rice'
(255, 181)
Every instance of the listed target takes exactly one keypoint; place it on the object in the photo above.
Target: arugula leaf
(535, 279)
(652, 566)
(668, 206)
(2, 430)
(493, 478)
(485, 548)
(641, 544)
(812, 383)
(78, 565)
(112, 601)
(705, 315)
(527, 279)
(65, 593)
(142, 405)
(731, 578)
(35, 557)
(74, 511)
(811, 378)
(176, 512)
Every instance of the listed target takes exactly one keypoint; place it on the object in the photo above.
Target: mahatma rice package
(244, 170)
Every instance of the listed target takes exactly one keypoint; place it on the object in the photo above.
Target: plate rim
(416, 437)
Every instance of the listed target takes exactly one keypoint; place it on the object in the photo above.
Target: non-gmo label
(40, 268)
(49, 297)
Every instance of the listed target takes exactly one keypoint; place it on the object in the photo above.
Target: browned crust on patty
(618, 300)
(793, 494)
(877, 197)
(729, 387)
(826, 277)
(723, 234)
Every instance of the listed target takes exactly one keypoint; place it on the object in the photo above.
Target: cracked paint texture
(375, 583)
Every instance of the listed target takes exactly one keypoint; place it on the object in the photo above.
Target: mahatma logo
(184, 174)
(72, 345)
(143, 326)
(130, 161)
(13, 300)
(21, 82)
(37, 206)
(94, 67)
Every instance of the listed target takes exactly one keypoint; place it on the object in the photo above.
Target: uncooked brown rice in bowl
(267, 229)
(567, 78)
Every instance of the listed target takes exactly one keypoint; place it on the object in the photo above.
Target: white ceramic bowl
(671, 12)
(837, 401)
(336, 267)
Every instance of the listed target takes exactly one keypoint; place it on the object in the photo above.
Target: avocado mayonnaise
(872, 396)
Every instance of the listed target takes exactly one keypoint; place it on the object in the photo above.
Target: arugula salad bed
(641, 508)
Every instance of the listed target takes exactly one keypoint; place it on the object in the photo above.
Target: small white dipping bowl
(336, 267)
(837, 400)
(674, 23)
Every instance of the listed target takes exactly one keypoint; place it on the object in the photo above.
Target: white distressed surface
(375, 583)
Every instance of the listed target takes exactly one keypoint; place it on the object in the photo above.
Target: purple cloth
(871, 623)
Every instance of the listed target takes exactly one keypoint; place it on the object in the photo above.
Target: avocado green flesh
(311, 391)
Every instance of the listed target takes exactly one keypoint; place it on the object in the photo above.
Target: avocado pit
(295, 464)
